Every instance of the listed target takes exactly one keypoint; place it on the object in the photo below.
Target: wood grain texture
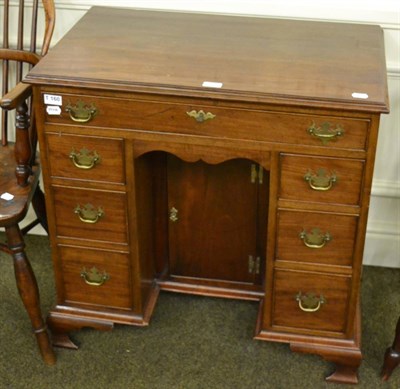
(114, 293)
(216, 227)
(331, 317)
(266, 125)
(110, 227)
(346, 189)
(337, 251)
(258, 58)
(282, 81)
(107, 169)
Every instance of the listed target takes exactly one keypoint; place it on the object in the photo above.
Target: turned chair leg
(392, 355)
(29, 292)
(39, 206)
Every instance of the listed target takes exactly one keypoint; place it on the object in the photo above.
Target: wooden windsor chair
(19, 169)
(392, 355)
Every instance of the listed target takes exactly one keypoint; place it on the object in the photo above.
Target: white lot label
(53, 99)
(211, 84)
(7, 196)
(53, 110)
(357, 95)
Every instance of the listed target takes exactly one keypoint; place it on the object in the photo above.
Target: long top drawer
(203, 118)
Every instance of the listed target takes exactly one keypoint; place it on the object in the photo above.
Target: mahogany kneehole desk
(214, 155)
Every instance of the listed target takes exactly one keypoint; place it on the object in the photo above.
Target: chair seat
(14, 210)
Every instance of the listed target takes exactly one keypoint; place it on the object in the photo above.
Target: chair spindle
(4, 89)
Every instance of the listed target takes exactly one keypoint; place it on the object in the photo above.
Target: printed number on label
(53, 99)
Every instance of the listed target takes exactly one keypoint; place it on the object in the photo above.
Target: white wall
(383, 236)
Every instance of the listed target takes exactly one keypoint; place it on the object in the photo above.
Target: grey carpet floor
(192, 342)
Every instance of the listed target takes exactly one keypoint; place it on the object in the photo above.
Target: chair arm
(16, 96)
(19, 55)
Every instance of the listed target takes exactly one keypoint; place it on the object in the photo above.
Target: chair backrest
(21, 21)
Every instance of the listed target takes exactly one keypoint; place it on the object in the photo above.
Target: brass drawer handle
(81, 112)
(88, 213)
(84, 159)
(326, 131)
(201, 116)
(94, 277)
(320, 181)
(310, 302)
(315, 239)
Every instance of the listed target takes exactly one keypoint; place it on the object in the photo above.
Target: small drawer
(310, 301)
(86, 157)
(316, 237)
(90, 215)
(200, 117)
(96, 278)
(321, 179)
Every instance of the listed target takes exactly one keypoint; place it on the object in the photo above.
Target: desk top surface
(255, 59)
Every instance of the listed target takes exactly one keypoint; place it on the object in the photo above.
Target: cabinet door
(213, 225)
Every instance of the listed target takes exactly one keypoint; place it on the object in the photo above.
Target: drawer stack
(91, 216)
(315, 266)
(314, 249)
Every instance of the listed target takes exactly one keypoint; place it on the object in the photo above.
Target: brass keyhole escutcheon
(201, 116)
